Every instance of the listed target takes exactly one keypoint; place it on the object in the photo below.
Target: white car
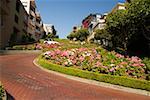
(50, 41)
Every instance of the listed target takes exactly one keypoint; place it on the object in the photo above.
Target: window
(32, 8)
(31, 17)
(17, 5)
(16, 18)
(37, 28)
(25, 4)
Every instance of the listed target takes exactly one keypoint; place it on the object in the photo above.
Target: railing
(37, 31)
(32, 13)
(32, 22)
(38, 24)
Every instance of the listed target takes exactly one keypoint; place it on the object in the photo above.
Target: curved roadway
(24, 81)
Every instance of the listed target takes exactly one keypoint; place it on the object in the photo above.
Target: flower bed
(99, 61)
(118, 80)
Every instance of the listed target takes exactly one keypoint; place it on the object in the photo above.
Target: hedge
(117, 80)
(2, 92)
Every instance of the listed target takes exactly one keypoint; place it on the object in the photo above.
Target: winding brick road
(24, 81)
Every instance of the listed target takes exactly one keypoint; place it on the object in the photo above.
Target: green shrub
(2, 92)
(117, 80)
(19, 47)
(146, 61)
(24, 47)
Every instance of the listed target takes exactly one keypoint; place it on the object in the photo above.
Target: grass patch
(67, 44)
(117, 80)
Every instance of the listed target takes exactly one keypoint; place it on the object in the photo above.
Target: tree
(72, 35)
(102, 33)
(131, 26)
(139, 17)
(117, 28)
(81, 35)
(53, 34)
(103, 37)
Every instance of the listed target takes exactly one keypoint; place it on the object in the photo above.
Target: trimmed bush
(117, 80)
(2, 92)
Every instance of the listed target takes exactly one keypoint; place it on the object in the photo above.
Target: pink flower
(91, 58)
(66, 63)
(141, 64)
(123, 63)
(72, 57)
(119, 55)
(64, 53)
(135, 59)
(98, 63)
(94, 51)
(112, 70)
(38, 46)
(58, 52)
(52, 53)
(104, 67)
(138, 64)
(98, 57)
(74, 62)
(82, 49)
(81, 58)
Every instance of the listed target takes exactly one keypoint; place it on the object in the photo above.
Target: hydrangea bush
(99, 61)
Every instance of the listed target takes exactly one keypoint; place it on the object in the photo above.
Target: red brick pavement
(24, 81)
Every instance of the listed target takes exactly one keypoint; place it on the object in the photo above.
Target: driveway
(24, 81)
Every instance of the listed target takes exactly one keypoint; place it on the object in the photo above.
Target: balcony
(32, 13)
(38, 14)
(25, 22)
(37, 31)
(102, 20)
(32, 22)
(38, 24)
(31, 31)
(33, 3)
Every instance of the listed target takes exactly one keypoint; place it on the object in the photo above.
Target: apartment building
(39, 29)
(119, 6)
(14, 19)
(35, 26)
(48, 28)
(93, 22)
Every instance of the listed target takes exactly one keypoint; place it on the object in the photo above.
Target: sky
(64, 14)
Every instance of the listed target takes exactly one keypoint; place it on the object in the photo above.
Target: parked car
(50, 41)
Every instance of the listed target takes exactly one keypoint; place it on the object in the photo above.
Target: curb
(93, 82)
(11, 52)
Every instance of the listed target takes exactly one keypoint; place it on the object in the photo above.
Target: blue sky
(64, 14)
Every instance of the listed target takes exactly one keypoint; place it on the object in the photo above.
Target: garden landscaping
(93, 62)
(2, 92)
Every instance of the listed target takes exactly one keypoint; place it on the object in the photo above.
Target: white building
(48, 28)
(119, 6)
(97, 21)
(26, 4)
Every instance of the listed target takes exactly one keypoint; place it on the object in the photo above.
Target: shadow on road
(9, 96)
